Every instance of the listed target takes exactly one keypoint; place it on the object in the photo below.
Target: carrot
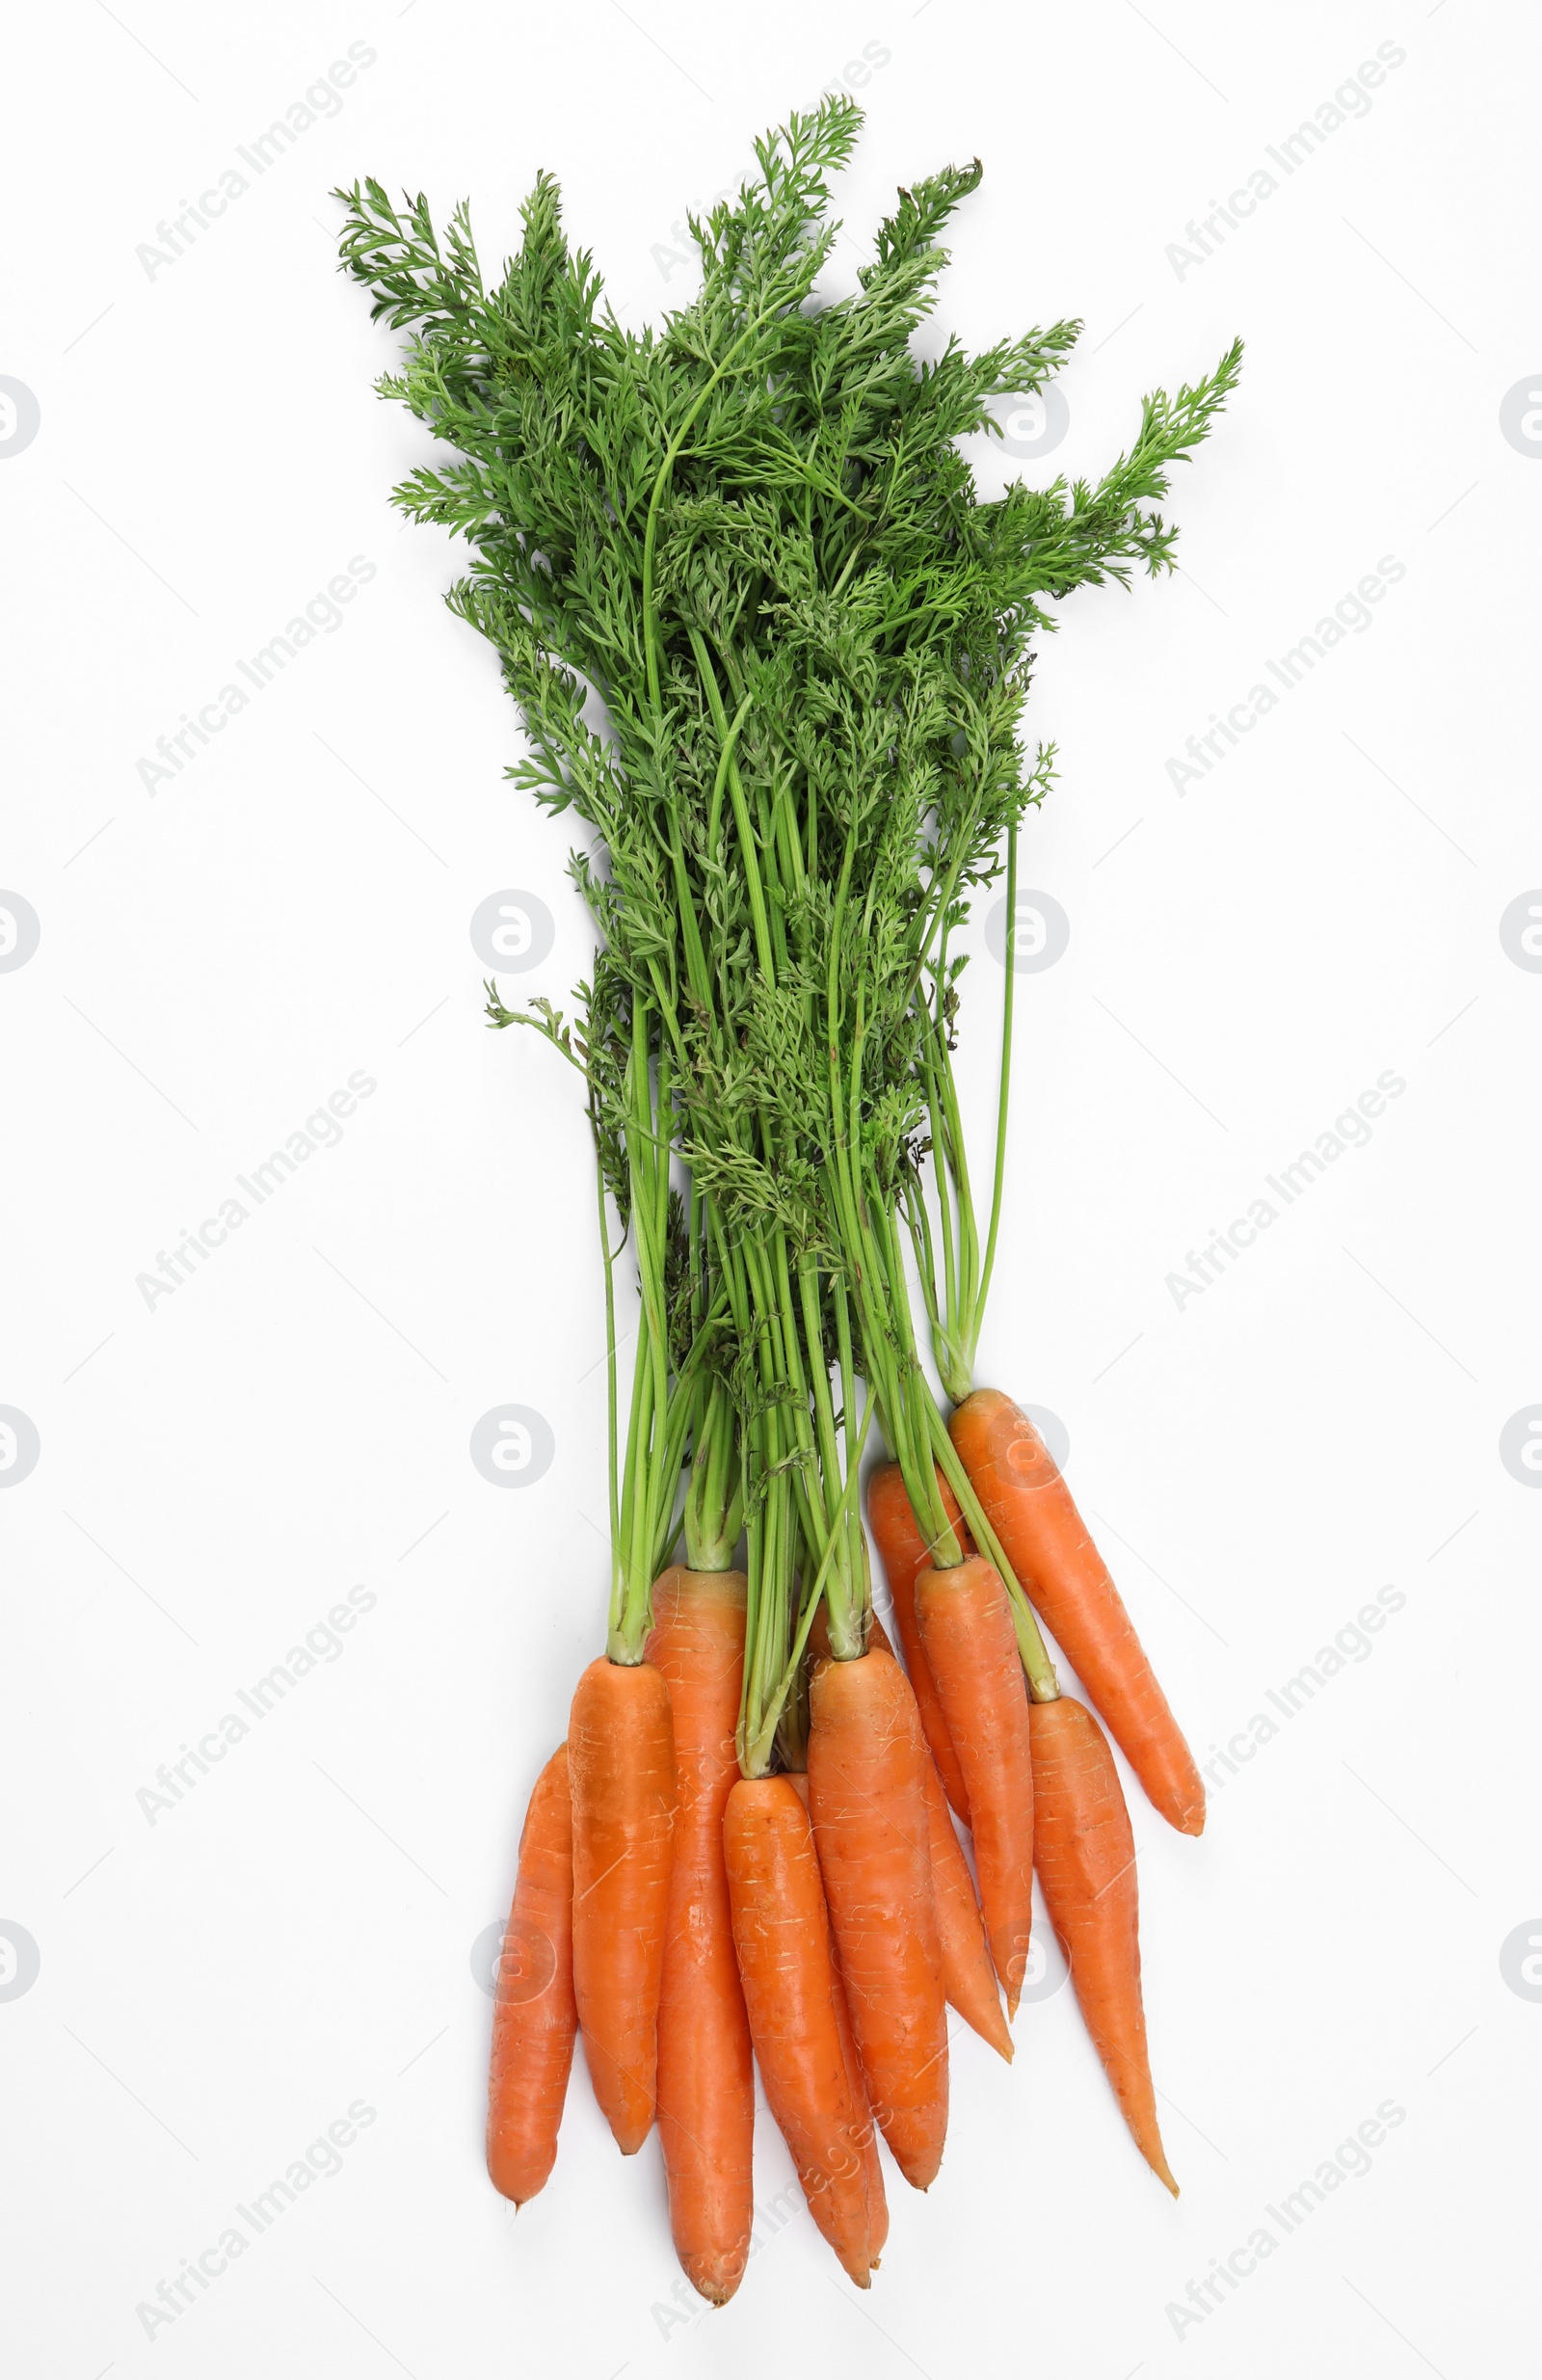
(782, 1935)
(535, 2017)
(965, 1625)
(964, 1958)
(866, 2130)
(872, 2163)
(1086, 1857)
(1061, 1572)
(868, 1803)
(620, 1766)
(904, 1554)
(705, 2068)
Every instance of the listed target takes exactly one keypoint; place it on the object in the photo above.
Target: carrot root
(1064, 1577)
(705, 2069)
(782, 1935)
(620, 1766)
(868, 1803)
(905, 1554)
(1086, 1856)
(965, 1625)
(535, 2017)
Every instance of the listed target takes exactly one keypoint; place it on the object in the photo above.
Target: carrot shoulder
(1061, 1572)
(535, 2017)
(905, 1554)
(705, 2068)
(621, 1767)
(1086, 1856)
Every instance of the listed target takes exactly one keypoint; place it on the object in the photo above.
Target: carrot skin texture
(706, 2065)
(1064, 1577)
(963, 1955)
(905, 1554)
(965, 1625)
(1086, 1855)
(782, 1935)
(868, 1806)
(621, 1768)
(535, 2017)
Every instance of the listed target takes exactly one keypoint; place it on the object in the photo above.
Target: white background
(1245, 958)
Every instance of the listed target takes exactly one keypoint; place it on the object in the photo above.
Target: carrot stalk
(868, 1806)
(620, 1766)
(1086, 1857)
(535, 2017)
(1046, 1540)
(705, 2069)
(905, 1554)
(782, 1935)
(965, 1625)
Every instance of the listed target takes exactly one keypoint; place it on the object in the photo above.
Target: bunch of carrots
(772, 646)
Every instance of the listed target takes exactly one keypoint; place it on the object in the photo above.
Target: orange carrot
(705, 2069)
(965, 1625)
(535, 2017)
(621, 1767)
(1062, 1573)
(872, 2163)
(964, 1958)
(868, 1806)
(1086, 1857)
(968, 1975)
(782, 1936)
(905, 1554)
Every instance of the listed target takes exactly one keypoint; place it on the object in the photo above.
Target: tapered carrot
(621, 1767)
(1062, 1573)
(905, 1554)
(535, 2017)
(705, 2069)
(965, 1625)
(964, 1957)
(1086, 1860)
(782, 1936)
(868, 1806)
(872, 2162)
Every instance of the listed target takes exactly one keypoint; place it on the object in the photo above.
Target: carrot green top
(773, 647)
